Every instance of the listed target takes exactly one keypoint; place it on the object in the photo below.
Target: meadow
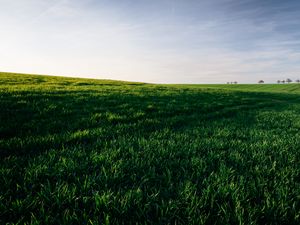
(80, 151)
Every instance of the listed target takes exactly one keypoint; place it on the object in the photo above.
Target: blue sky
(160, 41)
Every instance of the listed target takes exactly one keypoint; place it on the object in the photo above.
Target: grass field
(78, 151)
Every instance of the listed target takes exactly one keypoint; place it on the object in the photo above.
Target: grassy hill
(80, 151)
(280, 88)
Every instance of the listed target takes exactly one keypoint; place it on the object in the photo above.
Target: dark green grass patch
(78, 151)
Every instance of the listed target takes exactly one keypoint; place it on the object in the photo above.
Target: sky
(157, 41)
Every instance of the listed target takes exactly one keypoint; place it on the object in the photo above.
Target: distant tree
(228, 82)
(298, 81)
(235, 82)
(278, 82)
(289, 80)
(261, 82)
(283, 81)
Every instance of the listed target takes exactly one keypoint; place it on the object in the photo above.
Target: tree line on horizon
(288, 80)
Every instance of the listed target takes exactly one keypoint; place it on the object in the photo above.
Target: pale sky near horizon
(159, 41)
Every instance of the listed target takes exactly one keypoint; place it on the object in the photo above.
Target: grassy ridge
(280, 88)
(78, 151)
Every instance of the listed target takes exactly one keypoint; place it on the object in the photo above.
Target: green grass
(79, 151)
(280, 88)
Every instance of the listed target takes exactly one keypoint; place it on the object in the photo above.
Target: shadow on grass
(35, 121)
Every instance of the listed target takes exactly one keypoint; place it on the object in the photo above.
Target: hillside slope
(292, 88)
(79, 151)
